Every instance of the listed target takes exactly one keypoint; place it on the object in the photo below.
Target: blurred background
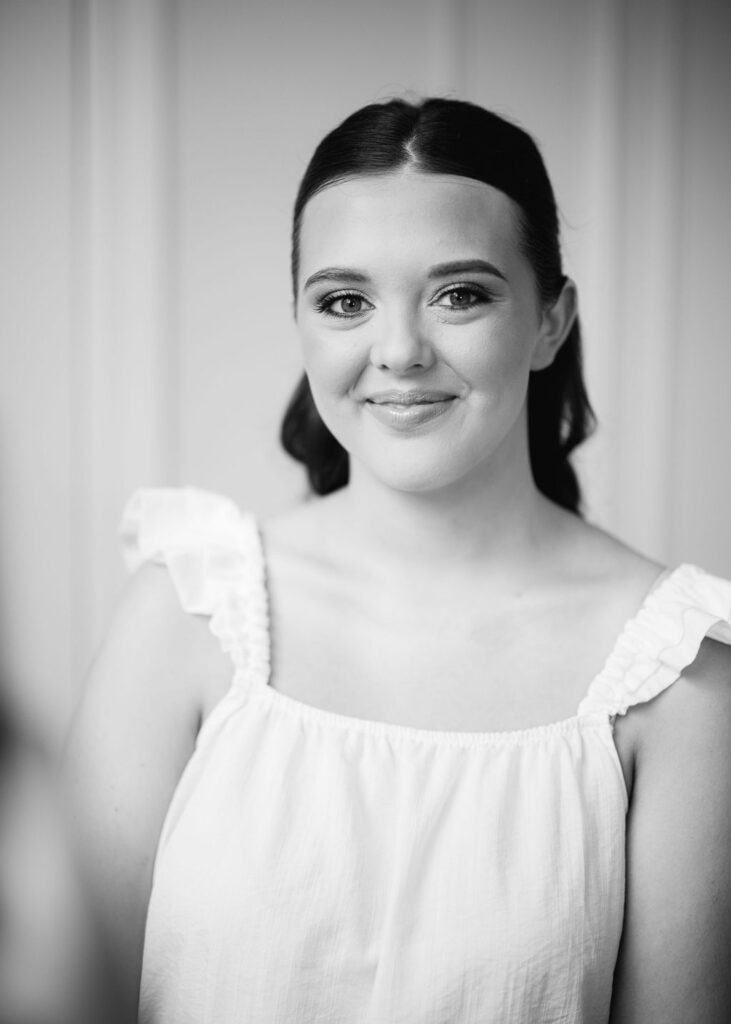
(151, 150)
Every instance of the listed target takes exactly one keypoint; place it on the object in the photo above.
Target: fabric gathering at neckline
(239, 616)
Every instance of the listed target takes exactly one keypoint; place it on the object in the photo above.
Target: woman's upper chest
(435, 655)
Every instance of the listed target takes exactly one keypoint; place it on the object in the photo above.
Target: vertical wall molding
(634, 147)
(599, 254)
(124, 169)
(647, 259)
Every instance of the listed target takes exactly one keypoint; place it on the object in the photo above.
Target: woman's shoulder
(158, 651)
(691, 715)
(159, 523)
(155, 653)
(608, 574)
(676, 608)
(672, 689)
(192, 553)
(667, 597)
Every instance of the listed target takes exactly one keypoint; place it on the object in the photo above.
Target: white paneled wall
(122, 249)
(151, 152)
(38, 439)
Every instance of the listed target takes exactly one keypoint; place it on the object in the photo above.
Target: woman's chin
(412, 475)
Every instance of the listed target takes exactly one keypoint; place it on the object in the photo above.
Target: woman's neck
(494, 518)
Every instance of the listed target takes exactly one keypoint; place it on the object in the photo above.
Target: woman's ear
(556, 322)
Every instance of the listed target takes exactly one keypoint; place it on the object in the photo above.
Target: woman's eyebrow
(341, 274)
(466, 267)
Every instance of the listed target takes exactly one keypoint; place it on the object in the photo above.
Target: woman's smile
(408, 409)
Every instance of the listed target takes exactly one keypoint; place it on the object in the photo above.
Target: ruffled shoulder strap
(655, 646)
(214, 556)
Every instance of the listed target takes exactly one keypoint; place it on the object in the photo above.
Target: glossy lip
(412, 397)
(406, 410)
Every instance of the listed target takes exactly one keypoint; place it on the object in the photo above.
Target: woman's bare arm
(131, 738)
(675, 954)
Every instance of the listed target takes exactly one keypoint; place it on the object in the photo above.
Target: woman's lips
(405, 410)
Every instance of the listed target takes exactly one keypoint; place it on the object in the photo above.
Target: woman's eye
(461, 298)
(345, 305)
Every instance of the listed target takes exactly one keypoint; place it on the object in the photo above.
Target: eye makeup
(353, 304)
(326, 304)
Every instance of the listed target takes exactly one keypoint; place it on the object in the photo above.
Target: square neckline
(460, 737)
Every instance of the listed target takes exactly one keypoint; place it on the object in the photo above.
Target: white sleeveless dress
(316, 868)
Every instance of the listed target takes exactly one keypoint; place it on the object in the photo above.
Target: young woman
(428, 748)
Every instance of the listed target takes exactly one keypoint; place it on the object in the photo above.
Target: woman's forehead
(407, 209)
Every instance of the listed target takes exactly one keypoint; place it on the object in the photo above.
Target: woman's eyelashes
(461, 296)
(348, 305)
(352, 305)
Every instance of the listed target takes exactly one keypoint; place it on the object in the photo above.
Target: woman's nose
(402, 345)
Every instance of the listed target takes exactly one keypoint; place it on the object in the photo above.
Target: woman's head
(450, 141)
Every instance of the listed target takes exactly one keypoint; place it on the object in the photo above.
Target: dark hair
(444, 136)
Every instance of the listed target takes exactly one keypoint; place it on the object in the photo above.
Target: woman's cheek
(493, 362)
(333, 367)
(332, 376)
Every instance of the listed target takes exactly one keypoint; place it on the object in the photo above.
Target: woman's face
(420, 323)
